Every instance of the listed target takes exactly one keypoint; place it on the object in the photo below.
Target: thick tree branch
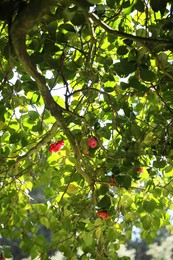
(23, 24)
(140, 39)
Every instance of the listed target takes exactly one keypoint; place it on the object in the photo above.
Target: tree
(86, 117)
(163, 251)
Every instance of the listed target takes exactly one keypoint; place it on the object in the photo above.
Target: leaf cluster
(82, 70)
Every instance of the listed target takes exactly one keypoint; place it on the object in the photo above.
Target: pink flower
(92, 142)
(52, 148)
(56, 147)
(59, 145)
(139, 169)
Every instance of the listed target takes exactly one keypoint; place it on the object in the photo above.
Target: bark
(30, 16)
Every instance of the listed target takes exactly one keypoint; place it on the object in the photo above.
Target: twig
(140, 39)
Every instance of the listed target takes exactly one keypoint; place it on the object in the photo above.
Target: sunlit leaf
(80, 70)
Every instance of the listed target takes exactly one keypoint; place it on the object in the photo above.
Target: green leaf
(78, 18)
(139, 6)
(147, 75)
(24, 141)
(115, 169)
(66, 27)
(158, 5)
(134, 82)
(105, 202)
(3, 111)
(159, 164)
(84, 257)
(103, 189)
(146, 222)
(33, 115)
(52, 28)
(15, 138)
(150, 139)
(136, 131)
(124, 67)
(35, 45)
(109, 89)
(149, 206)
(127, 182)
(105, 132)
(142, 33)
(95, 1)
(45, 222)
(122, 50)
(40, 208)
(111, 3)
(163, 59)
(88, 238)
(124, 180)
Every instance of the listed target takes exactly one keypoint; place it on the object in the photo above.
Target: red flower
(103, 214)
(59, 145)
(52, 148)
(92, 142)
(139, 169)
(112, 182)
(56, 147)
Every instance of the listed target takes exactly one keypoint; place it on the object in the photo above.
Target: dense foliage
(74, 72)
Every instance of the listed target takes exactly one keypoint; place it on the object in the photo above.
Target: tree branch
(50, 134)
(30, 16)
(140, 39)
